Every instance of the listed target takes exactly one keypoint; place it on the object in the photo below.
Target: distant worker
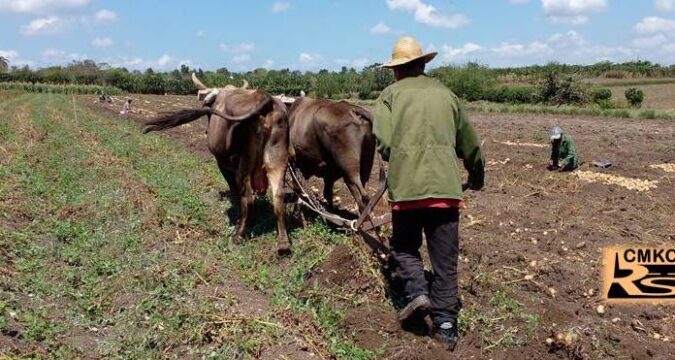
(126, 107)
(563, 151)
(423, 132)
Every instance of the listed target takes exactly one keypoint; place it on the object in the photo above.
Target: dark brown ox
(248, 135)
(333, 140)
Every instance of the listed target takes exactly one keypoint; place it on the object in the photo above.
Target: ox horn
(245, 86)
(256, 110)
(198, 84)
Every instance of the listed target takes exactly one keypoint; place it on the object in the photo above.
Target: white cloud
(105, 16)
(569, 20)
(14, 58)
(449, 53)
(9, 54)
(241, 53)
(568, 39)
(43, 26)
(380, 28)
(665, 5)
(571, 11)
(280, 6)
(353, 63)
(200, 33)
(41, 7)
(653, 24)
(650, 42)
(164, 60)
(241, 59)
(240, 48)
(428, 14)
(53, 56)
(102, 42)
(518, 50)
(268, 64)
(306, 58)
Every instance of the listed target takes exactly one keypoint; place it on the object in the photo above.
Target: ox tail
(367, 144)
(175, 119)
(367, 157)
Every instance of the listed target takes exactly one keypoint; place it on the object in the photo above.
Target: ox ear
(207, 97)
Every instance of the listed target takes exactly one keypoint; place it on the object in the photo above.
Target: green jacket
(422, 132)
(565, 155)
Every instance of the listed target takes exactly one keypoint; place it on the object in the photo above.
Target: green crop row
(59, 89)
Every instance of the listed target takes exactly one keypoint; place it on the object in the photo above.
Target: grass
(110, 240)
(570, 110)
(505, 323)
(634, 82)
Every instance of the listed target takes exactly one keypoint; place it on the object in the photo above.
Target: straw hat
(407, 50)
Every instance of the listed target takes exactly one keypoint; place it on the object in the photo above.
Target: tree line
(471, 81)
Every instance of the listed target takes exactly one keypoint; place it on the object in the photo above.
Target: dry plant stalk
(640, 185)
(511, 143)
(670, 168)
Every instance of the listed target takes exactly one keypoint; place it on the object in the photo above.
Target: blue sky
(314, 34)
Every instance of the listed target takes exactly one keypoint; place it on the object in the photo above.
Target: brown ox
(333, 140)
(248, 135)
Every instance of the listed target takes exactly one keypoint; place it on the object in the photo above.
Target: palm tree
(4, 64)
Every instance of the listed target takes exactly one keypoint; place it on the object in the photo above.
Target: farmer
(126, 107)
(422, 131)
(563, 152)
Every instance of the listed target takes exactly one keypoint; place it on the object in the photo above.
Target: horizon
(332, 34)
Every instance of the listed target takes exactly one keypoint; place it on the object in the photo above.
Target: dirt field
(530, 250)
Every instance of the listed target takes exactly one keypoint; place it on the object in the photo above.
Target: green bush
(635, 97)
(601, 94)
(512, 94)
(568, 91)
(471, 82)
(605, 104)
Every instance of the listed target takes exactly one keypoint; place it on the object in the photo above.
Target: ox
(333, 140)
(248, 135)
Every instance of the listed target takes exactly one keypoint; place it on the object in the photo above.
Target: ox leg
(275, 175)
(245, 205)
(358, 192)
(230, 179)
(328, 187)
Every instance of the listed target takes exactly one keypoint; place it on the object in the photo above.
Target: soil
(338, 272)
(527, 221)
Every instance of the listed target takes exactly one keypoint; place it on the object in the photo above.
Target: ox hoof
(284, 250)
(237, 239)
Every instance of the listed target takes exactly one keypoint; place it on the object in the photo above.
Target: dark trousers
(441, 227)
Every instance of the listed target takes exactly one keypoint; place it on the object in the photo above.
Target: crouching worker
(126, 108)
(563, 151)
(422, 132)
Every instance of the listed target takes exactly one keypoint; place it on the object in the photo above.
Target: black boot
(416, 306)
(447, 333)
